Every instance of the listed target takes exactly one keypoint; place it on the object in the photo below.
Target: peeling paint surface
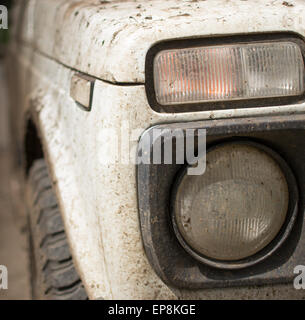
(109, 41)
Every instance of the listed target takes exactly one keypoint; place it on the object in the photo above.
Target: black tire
(53, 275)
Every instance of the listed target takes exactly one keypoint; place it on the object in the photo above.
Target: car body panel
(98, 200)
(109, 39)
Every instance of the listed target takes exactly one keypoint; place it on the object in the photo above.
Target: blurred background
(13, 237)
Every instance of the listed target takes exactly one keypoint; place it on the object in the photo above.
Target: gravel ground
(13, 239)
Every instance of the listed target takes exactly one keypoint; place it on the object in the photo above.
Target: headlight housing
(279, 139)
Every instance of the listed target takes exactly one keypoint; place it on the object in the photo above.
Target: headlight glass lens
(236, 208)
(228, 72)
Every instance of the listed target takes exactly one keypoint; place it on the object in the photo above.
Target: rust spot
(287, 4)
(114, 36)
(180, 15)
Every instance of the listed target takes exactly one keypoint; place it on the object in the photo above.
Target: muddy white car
(97, 85)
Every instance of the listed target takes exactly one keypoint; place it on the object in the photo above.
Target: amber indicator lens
(228, 72)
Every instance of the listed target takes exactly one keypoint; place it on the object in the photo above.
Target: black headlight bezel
(285, 135)
(212, 41)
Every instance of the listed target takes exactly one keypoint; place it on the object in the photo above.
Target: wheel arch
(32, 144)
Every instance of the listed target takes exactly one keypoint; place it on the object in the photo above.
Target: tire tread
(55, 275)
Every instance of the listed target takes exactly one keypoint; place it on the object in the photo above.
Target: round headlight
(236, 208)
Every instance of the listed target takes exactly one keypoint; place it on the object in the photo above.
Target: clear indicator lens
(220, 73)
(234, 209)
